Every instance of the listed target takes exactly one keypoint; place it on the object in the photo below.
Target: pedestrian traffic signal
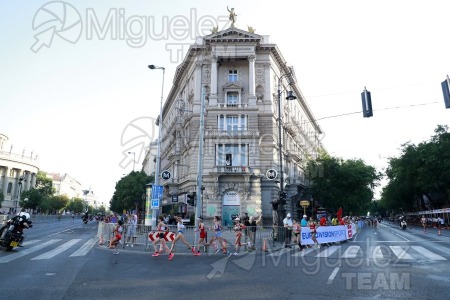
(366, 103)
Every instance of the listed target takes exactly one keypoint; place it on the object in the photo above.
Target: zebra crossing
(33, 246)
(397, 253)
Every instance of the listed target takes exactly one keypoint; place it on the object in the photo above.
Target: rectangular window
(232, 123)
(232, 98)
(232, 75)
(232, 155)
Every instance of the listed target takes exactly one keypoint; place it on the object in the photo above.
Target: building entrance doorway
(231, 207)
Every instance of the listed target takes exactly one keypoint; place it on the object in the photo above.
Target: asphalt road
(63, 261)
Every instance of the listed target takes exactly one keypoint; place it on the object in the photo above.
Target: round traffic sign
(165, 175)
(271, 174)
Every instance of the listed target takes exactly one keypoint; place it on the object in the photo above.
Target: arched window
(9, 189)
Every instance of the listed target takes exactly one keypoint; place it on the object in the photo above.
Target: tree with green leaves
(38, 195)
(342, 183)
(419, 178)
(76, 206)
(129, 191)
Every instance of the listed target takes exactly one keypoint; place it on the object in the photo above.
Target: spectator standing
(252, 231)
(287, 223)
(323, 221)
(440, 224)
(132, 224)
(304, 221)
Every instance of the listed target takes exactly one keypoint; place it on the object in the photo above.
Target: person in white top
(287, 223)
(180, 230)
(131, 232)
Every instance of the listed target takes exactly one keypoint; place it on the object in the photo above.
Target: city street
(62, 260)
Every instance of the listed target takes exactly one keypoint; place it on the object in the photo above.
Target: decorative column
(251, 80)
(213, 95)
(5, 180)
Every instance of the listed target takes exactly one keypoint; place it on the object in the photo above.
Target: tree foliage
(342, 183)
(38, 196)
(129, 190)
(420, 178)
(76, 206)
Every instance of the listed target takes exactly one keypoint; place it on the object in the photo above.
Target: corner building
(238, 74)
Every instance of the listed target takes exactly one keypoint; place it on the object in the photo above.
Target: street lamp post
(290, 96)
(18, 194)
(85, 194)
(158, 153)
(134, 158)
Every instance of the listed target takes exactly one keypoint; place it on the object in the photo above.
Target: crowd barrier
(253, 237)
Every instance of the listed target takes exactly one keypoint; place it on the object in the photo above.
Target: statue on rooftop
(232, 16)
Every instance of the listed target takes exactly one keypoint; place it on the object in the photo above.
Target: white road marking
(31, 242)
(333, 275)
(281, 252)
(328, 251)
(403, 237)
(304, 252)
(85, 248)
(428, 253)
(375, 252)
(58, 250)
(400, 252)
(24, 252)
(351, 252)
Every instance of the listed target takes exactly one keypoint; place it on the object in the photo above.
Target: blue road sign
(155, 203)
(157, 192)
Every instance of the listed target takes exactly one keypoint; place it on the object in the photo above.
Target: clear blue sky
(72, 101)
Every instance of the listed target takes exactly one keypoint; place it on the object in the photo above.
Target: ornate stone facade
(236, 72)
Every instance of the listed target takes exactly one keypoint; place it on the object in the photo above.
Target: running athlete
(313, 228)
(424, 223)
(238, 226)
(180, 230)
(296, 231)
(117, 237)
(202, 229)
(218, 235)
(161, 228)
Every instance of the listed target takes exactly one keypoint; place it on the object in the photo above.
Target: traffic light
(366, 103)
(191, 199)
(445, 90)
(283, 197)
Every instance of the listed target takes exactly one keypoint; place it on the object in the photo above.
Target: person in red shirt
(323, 221)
